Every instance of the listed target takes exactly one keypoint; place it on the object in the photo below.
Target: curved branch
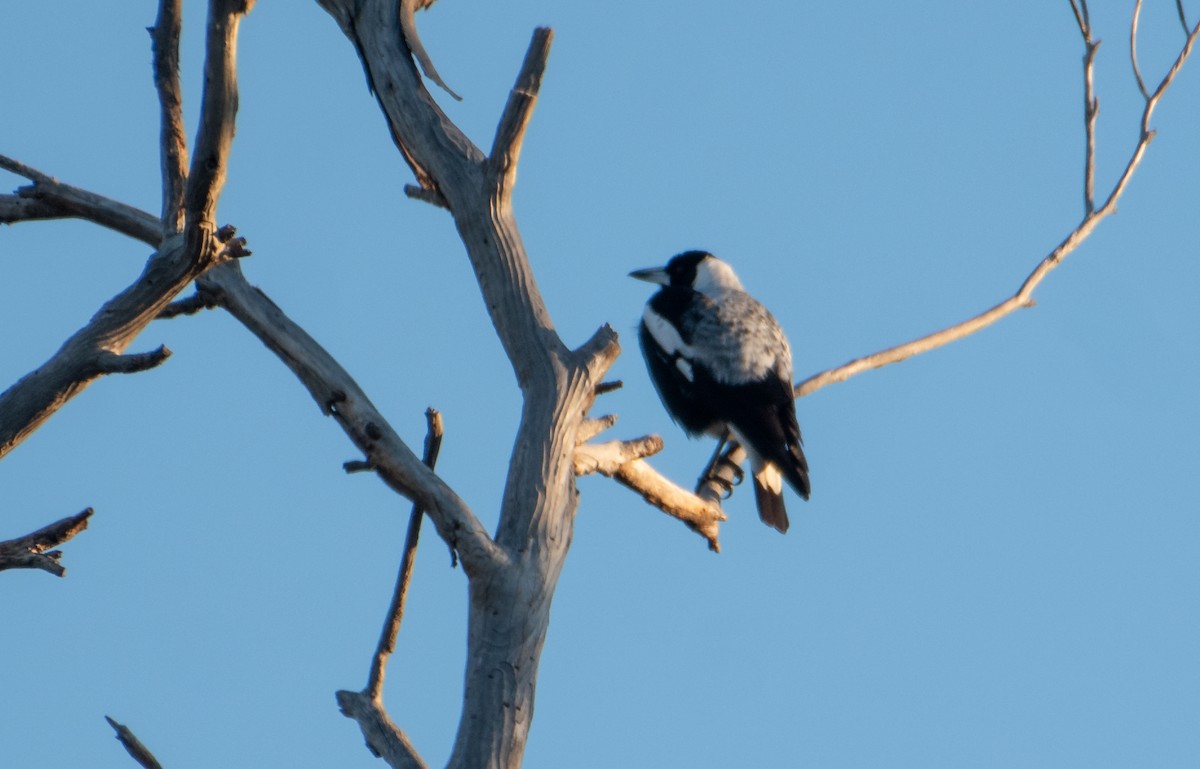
(1024, 295)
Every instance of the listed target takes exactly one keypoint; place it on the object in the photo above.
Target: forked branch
(1093, 216)
(96, 349)
(32, 551)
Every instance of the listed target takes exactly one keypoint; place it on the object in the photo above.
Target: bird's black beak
(652, 275)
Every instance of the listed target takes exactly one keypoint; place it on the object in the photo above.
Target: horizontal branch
(52, 199)
(607, 458)
(32, 550)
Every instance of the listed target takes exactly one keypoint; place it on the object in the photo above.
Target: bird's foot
(723, 473)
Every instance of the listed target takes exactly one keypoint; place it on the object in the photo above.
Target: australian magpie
(720, 361)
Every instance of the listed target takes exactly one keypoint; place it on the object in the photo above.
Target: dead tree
(512, 572)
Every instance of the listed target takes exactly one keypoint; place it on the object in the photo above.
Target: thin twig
(1081, 17)
(1024, 295)
(610, 386)
(1133, 28)
(1091, 111)
(391, 626)
(1182, 17)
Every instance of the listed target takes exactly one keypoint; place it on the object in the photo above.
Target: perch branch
(133, 745)
(30, 551)
(702, 516)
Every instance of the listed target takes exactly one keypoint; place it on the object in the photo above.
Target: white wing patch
(667, 337)
(664, 333)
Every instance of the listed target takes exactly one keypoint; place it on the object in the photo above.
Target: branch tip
(109, 362)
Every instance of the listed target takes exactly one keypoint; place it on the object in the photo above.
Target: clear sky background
(998, 567)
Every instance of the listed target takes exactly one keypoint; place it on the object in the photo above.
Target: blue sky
(998, 564)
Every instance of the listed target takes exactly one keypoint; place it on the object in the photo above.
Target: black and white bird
(720, 361)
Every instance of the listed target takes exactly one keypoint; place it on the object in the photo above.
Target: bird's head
(697, 270)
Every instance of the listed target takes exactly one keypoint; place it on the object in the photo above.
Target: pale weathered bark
(509, 603)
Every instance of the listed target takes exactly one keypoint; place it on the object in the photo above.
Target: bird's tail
(768, 495)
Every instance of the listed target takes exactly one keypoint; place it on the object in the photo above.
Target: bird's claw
(724, 479)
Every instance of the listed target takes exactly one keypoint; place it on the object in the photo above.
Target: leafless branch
(590, 428)
(133, 745)
(131, 363)
(1024, 295)
(557, 384)
(30, 551)
(336, 392)
(1182, 17)
(510, 132)
(89, 352)
(1133, 28)
(1081, 16)
(607, 458)
(391, 626)
(48, 198)
(384, 739)
(164, 36)
(218, 112)
(408, 27)
(187, 306)
(702, 516)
